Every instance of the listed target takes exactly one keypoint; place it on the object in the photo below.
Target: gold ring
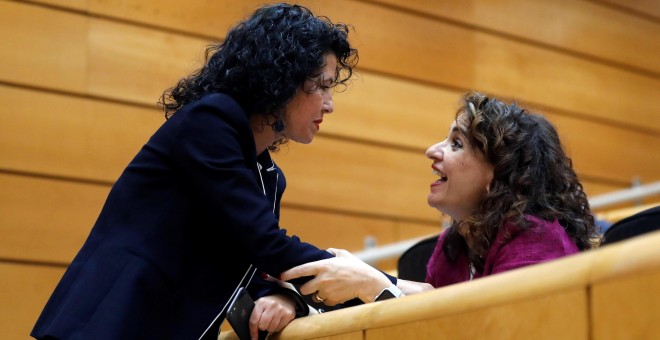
(316, 298)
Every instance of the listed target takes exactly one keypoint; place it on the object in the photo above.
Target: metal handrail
(624, 195)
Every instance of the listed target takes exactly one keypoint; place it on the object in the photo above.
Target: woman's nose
(434, 151)
(328, 104)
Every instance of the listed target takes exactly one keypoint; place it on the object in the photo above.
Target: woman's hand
(339, 279)
(271, 313)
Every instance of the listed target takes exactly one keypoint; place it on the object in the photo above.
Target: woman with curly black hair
(195, 214)
(513, 196)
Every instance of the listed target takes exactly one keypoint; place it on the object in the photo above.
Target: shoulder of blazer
(224, 104)
(224, 107)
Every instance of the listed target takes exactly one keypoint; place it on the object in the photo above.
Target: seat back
(634, 225)
(412, 263)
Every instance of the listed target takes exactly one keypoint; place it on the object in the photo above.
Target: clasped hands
(339, 279)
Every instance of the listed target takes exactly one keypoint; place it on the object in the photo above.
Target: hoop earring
(278, 126)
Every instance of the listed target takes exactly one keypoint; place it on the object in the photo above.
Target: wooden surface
(626, 313)
(523, 319)
(649, 9)
(606, 293)
(80, 79)
(24, 290)
(582, 29)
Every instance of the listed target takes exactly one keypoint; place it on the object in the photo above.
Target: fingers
(307, 269)
(314, 268)
(255, 319)
(272, 314)
(254, 325)
(309, 287)
(265, 322)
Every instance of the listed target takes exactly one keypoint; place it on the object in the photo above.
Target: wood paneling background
(79, 81)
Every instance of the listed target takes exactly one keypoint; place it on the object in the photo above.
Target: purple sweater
(542, 241)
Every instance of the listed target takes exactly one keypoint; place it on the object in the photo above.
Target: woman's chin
(434, 204)
(303, 140)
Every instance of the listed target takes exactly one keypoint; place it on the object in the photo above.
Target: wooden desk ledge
(575, 273)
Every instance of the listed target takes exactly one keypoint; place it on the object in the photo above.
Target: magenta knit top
(542, 241)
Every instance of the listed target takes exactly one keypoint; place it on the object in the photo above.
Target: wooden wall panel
(577, 26)
(24, 290)
(110, 79)
(337, 230)
(624, 291)
(602, 151)
(647, 8)
(80, 5)
(346, 336)
(326, 230)
(486, 62)
(108, 75)
(69, 136)
(388, 111)
(476, 60)
(205, 17)
(517, 319)
(627, 308)
(46, 220)
(136, 63)
(407, 231)
(417, 116)
(363, 178)
(582, 28)
(42, 47)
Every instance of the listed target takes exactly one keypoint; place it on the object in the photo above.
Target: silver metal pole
(625, 195)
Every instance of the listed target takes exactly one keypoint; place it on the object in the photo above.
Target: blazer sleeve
(213, 149)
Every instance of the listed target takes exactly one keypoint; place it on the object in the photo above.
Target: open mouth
(443, 177)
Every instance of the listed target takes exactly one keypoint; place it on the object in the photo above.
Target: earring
(472, 109)
(278, 126)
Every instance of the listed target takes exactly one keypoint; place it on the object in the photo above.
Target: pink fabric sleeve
(542, 241)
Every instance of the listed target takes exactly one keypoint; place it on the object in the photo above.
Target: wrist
(301, 307)
(373, 287)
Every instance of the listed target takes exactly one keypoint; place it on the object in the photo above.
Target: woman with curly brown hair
(513, 196)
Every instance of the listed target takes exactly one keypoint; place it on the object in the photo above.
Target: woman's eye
(456, 144)
(322, 88)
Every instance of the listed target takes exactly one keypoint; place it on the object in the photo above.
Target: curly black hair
(532, 176)
(265, 59)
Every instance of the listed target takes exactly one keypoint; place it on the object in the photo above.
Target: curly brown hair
(532, 176)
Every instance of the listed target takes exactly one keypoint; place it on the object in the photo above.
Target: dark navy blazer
(177, 232)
